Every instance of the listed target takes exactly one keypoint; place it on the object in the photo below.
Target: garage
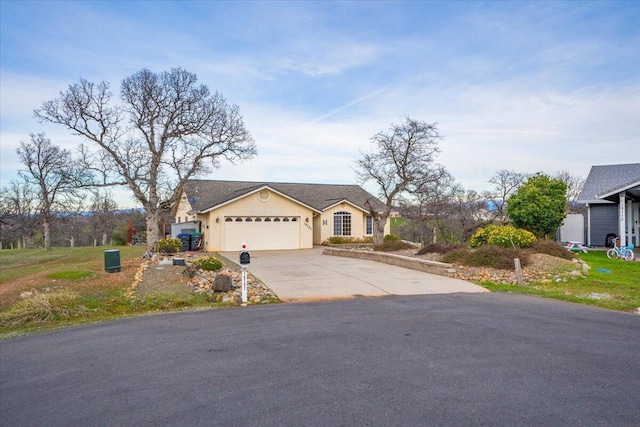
(261, 232)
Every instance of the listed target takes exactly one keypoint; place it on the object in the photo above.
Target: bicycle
(625, 252)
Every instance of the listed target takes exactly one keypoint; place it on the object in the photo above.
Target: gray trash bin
(112, 261)
(195, 241)
(185, 238)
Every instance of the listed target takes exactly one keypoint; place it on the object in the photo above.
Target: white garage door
(261, 233)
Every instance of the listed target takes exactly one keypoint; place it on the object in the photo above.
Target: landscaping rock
(222, 282)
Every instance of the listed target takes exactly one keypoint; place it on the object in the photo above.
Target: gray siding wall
(604, 220)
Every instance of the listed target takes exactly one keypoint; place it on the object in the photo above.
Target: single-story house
(612, 196)
(269, 215)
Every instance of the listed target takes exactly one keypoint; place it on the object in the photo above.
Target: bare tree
(432, 198)
(401, 156)
(103, 217)
(54, 174)
(18, 219)
(72, 223)
(468, 212)
(574, 188)
(506, 183)
(166, 130)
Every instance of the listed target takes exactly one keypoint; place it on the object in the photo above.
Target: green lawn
(612, 283)
(69, 286)
(21, 263)
(396, 222)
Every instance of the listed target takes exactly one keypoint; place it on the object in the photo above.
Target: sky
(526, 86)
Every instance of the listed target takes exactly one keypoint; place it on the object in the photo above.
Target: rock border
(471, 274)
(433, 267)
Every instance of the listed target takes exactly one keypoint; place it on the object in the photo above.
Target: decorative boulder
(222, 282)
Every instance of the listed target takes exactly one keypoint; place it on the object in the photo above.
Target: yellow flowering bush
(502, 235)
(169, 246)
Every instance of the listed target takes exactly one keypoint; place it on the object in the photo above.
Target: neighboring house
(612, 196)
(269, 215)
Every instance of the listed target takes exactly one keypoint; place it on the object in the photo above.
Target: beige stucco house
(268, 216)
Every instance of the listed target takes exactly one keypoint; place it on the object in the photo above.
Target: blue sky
(528, 86)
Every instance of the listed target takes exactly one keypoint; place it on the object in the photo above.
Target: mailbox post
(245, 260)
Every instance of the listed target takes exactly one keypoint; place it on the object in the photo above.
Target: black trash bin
(112, 261)
(186, 241)
(609, 241)
(195, 241)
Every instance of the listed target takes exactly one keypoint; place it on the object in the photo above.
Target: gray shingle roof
(206, 194)
(607, 178)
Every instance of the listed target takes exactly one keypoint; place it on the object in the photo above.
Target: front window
(342, 224)
(369, 225)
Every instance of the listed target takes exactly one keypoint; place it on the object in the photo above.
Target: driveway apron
(307, 274)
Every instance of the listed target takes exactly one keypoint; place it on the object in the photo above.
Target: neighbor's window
(342, 224)
(368, 225)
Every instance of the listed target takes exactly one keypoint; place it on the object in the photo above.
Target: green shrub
(488, 256)
(392, 246)
(502, 235)
(169, 246)
(438, 248)
(392, 238)
(457, 256)
(551, 248)
(496, 257)
(342, 240)
(209, 263)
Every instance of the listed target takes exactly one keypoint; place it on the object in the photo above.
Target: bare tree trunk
(104, 239)
(47, 235)
(378, 230)
(153, 230)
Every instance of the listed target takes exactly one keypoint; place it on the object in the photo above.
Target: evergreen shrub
(209, 263)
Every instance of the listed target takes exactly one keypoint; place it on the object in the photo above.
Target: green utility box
(112, 261)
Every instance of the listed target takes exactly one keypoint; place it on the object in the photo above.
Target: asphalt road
(460, 359)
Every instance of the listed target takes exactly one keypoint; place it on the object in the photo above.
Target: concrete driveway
(306, 274)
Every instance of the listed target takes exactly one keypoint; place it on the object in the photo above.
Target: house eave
(619, 190)
(249, 193)
(595, 202)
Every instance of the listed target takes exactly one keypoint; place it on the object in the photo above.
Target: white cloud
(527, 87)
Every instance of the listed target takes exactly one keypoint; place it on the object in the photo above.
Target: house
(269, 215)
(612, 196)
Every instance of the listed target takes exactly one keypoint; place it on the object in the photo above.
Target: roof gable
(605, 180)
(210, 194)
(254, 191)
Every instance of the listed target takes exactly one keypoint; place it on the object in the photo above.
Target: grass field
(69, 286)
(612, 283)
(397, 222)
